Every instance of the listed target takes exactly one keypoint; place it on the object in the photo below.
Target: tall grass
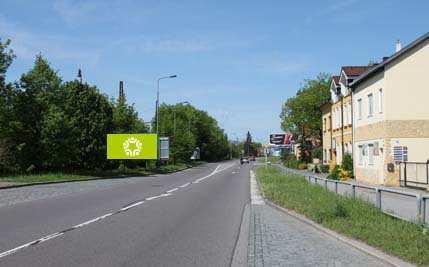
(351, 217)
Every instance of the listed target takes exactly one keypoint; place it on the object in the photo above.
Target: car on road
(244, 160)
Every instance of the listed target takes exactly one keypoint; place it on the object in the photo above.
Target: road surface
(203, 216)
(190, 218)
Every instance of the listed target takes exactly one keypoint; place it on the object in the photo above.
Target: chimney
(398, 46)
(121, 90)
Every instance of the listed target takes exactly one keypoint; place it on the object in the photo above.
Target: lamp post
(157, 100)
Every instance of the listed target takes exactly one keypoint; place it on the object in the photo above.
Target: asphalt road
(190, 218)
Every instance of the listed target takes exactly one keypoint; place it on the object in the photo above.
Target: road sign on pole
(164, 148)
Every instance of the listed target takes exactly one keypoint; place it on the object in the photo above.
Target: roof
(336, 79)
(351, 71)
(369, 73)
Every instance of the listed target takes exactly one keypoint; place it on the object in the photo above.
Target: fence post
(405, 174)
(377, 198)
(423, 210)
(326, 184)
(336, 187)
(419, 208)
(353, 191)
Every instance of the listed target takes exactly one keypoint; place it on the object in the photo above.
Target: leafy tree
(301, 113)
(90, 118)
(125, 118)
(194, 128)
(35, 90)
(7, 92)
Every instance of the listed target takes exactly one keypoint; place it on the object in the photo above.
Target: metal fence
(414, 174)
(404, 205)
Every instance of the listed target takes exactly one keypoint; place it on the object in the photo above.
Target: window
(324, 124)
(370, 105)
(359, 109)
(380, 100)
(371, 154)
(360, 155)
(325, 156)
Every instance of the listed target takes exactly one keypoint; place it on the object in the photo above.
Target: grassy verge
(353, 218)
(58, 176)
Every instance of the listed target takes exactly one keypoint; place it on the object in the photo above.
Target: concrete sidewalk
(276, 239)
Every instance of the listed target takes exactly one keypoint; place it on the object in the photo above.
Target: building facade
(327, 133)
(391, 115)
(338, 141)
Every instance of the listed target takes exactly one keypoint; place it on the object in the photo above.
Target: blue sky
(239, 60)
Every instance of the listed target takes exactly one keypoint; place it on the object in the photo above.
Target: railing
(414, 174)
(404, 205)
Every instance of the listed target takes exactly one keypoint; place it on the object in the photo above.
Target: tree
(301, 113)
(7, 160)
(193, 128)
(125, 117)
(36, 89)
(89, 119)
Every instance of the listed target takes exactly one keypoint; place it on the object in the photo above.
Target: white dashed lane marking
(184, 185)
(172, 190)
(123, 209)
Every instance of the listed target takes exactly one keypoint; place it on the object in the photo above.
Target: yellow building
(338, 141)
(391, 117)
(327, 133)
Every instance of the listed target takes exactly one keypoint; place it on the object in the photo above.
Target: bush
(324, 168)
(302, 166)
(347, 164)
(344, 174)
(290, 161)
(317, 153)
(335, 173)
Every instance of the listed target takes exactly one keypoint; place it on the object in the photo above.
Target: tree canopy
(301, 114)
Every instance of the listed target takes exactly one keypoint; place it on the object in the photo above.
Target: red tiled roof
(355, 70)
(336, 79)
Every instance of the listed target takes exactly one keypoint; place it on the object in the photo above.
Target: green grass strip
(351, 217)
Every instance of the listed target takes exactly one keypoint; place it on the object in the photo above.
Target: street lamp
(157, 100)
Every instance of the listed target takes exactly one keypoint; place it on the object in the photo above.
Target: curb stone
(394, 261)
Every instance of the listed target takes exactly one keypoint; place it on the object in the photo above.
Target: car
(244, 160)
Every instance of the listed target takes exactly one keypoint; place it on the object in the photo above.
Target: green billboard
(132, 146)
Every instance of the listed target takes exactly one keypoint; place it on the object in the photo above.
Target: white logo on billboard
(132, 147)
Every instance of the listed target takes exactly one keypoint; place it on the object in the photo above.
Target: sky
(238, 60)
